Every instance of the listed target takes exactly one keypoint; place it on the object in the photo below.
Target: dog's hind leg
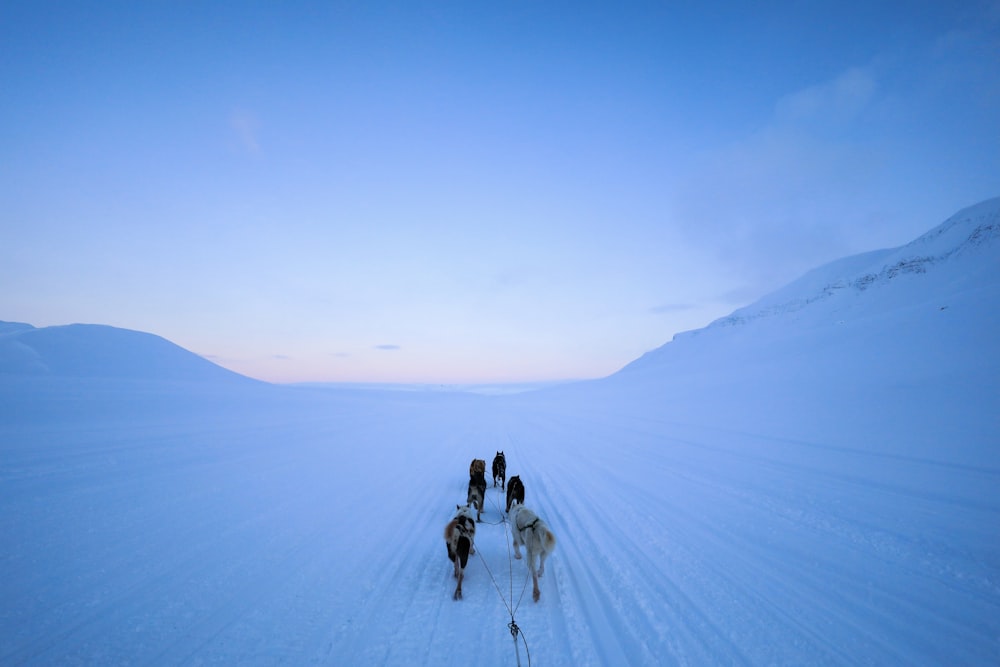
(462, 558)
(535, 592)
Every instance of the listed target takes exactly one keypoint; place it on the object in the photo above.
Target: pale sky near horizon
(469, 192)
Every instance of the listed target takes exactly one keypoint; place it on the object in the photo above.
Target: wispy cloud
(246, 129)
(669, 308)
(387, 347)
(836, 101)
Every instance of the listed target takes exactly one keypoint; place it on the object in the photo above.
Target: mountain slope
(98, 351)
(957, 263)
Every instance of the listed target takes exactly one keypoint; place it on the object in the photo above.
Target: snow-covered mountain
(99, 351)
(813, 480)
(959, 253)
(948, 277)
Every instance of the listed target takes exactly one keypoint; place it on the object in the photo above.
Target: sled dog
(477, 493)
(460, 538)
(477, 465)
(531, 531)
(499, 470)
(515, 491)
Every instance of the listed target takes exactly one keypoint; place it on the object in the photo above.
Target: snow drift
(814, 479)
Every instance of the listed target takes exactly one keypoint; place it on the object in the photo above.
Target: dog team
(527, 528)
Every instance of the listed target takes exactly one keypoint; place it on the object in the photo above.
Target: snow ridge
(971, 230)
(955, 262)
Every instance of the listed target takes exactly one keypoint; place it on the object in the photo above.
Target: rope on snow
(512, 626)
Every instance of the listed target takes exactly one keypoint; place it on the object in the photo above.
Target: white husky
(531, 531)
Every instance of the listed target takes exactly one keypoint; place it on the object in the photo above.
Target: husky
(531, 531)
(515, 491)
(477, 465)
(477, 493)
(499, 470)
(460, 538)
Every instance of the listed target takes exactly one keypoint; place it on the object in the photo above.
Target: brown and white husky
(460, 538)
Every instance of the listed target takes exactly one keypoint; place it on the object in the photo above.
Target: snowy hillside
(923, 315)
(90, 350)
(813, 480)
(964, 246)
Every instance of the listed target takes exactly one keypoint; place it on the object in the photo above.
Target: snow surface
(814, 480)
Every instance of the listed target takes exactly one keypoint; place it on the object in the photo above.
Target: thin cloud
(387, 347)
(834, 102)
(669, 308)
(246, 129)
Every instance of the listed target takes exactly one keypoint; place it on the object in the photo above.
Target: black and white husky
(499, 470)
(532, 532)
(460, 538)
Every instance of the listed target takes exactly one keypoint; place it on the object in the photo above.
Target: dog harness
(530, 525)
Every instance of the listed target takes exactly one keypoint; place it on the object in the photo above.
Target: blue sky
(469, 192)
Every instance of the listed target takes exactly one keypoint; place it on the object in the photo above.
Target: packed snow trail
(306, 528)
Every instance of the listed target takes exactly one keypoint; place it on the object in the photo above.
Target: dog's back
(515, 491)
(477, 465)
(458, 536)
(532, 530)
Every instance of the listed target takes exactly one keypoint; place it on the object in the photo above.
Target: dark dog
(499, 470)
(515, 491)
(477, 493)
(460, 538)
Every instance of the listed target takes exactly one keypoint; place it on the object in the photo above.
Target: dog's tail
(548, 541)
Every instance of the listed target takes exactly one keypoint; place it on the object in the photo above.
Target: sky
(455, 192)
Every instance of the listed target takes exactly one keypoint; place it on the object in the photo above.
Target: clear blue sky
(466, 191)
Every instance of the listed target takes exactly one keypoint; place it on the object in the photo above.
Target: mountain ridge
(944, 264)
